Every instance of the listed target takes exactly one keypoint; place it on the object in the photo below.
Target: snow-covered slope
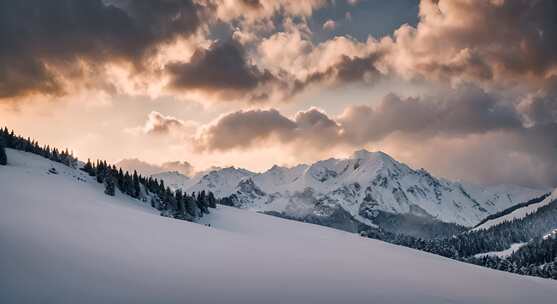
(519, 213)
(503, 253)
(363, 185)
(63, 241)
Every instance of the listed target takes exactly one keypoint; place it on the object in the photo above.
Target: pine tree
(179, 201)
(120, 178)
(202, 202)
(191, 206)
(211, 200)
(100, 172)
(88, 167)
(110, 187)
(136, 188)
(3, 156)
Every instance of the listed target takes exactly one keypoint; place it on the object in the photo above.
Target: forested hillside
(538, 257)
(170, 203)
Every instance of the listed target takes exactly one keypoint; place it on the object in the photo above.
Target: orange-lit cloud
(490, 43)
(459, 113)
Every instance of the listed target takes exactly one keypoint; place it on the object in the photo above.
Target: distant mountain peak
(362, 185)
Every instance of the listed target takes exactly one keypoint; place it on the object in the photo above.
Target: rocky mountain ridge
(365, 185)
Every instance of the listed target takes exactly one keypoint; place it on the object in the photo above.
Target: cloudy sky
(464, 88)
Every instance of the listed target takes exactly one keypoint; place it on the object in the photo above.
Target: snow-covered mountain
(365, 185)
(63, 240)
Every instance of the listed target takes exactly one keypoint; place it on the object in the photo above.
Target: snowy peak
(325, 170)
(364, 185)
(362, 167)
(221, 182)
(378, 159)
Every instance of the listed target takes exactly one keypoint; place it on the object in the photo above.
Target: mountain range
(367, 188)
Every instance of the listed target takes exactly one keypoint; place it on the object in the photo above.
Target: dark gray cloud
(221, 69)
(243, 129)
(42, 42)
(458, 113)
(247, 129)
(49, 47)
(348, 70)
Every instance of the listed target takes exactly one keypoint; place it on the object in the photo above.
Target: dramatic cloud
(459, 113)
(494, 41)
(243, 129)
(268, 51)
(456, 113)
(493, 44)
(223, 70)
(46, 44)
(333, 62)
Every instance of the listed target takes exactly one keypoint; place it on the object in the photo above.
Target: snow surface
(63, 241)
(518, 213)
(366, 180)
(503, 253)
